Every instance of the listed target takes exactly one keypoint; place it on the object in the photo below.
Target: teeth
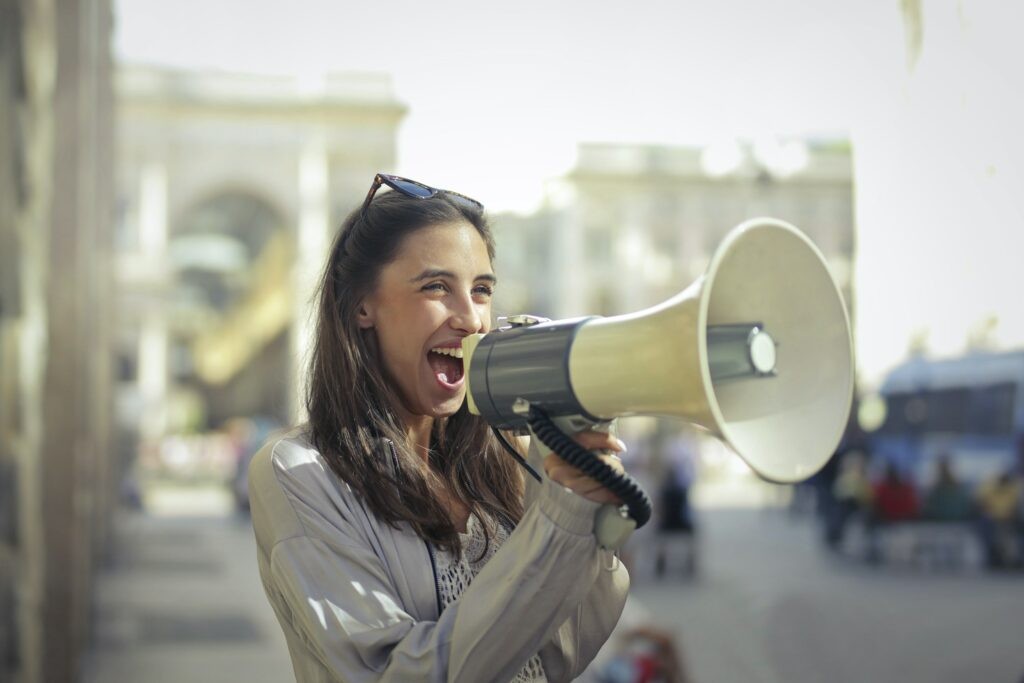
(454, 352)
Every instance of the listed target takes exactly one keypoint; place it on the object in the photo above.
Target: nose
(466, 316)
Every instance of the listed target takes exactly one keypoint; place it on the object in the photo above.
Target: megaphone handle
(612, 523)
(613, 526)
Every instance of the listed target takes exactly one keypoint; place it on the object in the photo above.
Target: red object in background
(895, 500)
(646, 668)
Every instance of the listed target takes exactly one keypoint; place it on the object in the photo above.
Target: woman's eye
(478, 290)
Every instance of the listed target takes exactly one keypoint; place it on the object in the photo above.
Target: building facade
(635, 224)
(156, 279)
(230, 188)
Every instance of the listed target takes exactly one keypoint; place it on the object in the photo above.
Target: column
(311, 249)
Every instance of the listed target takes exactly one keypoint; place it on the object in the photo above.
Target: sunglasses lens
(412, 188)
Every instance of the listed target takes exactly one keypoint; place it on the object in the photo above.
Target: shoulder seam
(287, 495)
(291, 503)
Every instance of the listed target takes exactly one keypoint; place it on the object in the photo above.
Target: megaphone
(756, 351)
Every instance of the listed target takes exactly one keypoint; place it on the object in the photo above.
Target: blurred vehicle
(968, 409)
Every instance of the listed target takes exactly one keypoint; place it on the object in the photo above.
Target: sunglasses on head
(412, 188)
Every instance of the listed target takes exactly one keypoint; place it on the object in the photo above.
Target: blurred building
(56, 470)
(632, 225)
(154, 280)
(643, 221)
(229, 189)
(526, 261)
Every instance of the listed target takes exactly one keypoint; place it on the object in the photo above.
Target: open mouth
(446, 362)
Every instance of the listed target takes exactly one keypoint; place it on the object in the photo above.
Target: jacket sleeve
(580, 637)
(338, 598)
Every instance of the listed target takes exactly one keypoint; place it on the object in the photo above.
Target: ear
(364, 316)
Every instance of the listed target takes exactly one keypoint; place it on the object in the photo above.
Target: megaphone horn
(757, 351)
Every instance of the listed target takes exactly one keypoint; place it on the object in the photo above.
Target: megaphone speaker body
(766, 279)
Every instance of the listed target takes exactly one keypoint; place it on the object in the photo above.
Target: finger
(568, 471)
(602, 495)
(566, 474)
(572, 478)
(588, 488)
(553, 460)
(577, 482)
(599, 441)
(612, 461)
(591, 490)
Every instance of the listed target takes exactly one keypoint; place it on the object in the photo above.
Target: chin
(447, 411)
(448, 408)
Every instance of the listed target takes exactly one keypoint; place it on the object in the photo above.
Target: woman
(396, 540)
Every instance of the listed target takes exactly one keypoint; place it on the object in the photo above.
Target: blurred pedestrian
(999, 518)
(247, 435)
(947, 499)
(677, 527)
(893, 499)
(640, 461)
(852, 495)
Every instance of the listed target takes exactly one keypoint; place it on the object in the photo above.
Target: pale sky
(499, 96)
(939, 164)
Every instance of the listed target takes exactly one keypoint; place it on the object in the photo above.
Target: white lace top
(455, 573)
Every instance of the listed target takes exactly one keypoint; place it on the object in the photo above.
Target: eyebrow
(432, 273)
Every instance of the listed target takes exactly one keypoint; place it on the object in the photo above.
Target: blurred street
(771, 604)
(182, 601)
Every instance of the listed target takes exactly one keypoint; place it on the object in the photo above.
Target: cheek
(403, 334)
(485, 316)
(399, 350)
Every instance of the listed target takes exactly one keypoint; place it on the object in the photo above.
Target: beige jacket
(357, 599)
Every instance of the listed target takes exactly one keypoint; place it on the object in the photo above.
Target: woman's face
(436, 291)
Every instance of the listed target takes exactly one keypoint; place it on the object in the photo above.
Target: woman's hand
(573, 479)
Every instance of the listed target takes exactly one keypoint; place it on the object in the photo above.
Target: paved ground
(770, 605)
(183, 603)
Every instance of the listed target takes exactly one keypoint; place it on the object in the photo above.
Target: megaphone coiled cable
(619, 483)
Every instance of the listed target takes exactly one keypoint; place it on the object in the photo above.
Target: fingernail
(619, 444)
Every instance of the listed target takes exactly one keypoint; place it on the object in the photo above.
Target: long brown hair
(352, 419)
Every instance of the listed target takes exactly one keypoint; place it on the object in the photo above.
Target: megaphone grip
(619, 483)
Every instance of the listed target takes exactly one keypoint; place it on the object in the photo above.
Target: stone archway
(217, 240)
(230, 255)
